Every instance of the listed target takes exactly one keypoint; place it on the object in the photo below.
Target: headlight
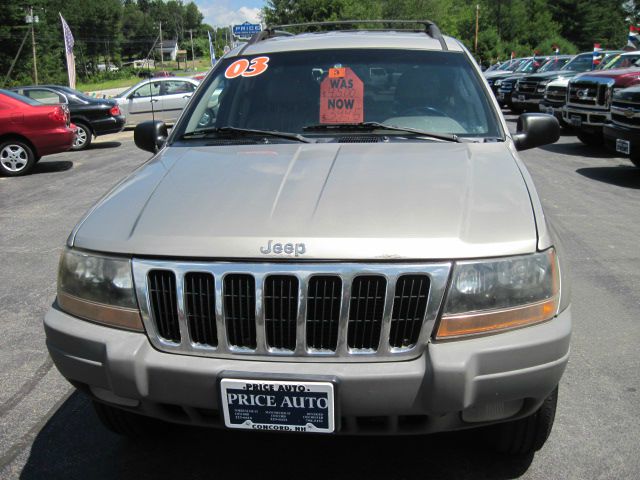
(496, 295)
(498, 83)
(542, 86)
(98, 288)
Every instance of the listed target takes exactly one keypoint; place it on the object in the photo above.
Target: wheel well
(83, 121)
(16, 136)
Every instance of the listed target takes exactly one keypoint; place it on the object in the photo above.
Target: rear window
(20, 98)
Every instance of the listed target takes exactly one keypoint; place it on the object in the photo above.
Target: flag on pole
(211, 50)
(69, 42)
(634, 38)
(597, 55)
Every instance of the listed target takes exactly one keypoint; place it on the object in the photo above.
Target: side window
(147, 90)
(174, 87)
(45, 96)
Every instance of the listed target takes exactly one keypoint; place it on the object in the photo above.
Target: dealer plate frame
(318, 385)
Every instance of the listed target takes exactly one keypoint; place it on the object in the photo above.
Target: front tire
(83, 137)
(16, 158)
(127, 424)
(526, 435)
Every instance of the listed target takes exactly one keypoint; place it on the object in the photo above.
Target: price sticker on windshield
(341, 97)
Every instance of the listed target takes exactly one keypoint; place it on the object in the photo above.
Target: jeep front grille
(365, 312)
(313, 312)
(240, 310)
(323, 312)
(200, 302)
(409, 306)
(281, 311)
(164, 305)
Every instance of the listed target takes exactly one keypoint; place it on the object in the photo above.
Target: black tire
(527, 435)
(126, 423)
(83, 137)
(591, 139)
(16, 158)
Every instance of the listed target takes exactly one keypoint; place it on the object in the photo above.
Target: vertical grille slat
(164, 303)
(409, 308)
(200, 308)
(281, 311)
(324, 295)
(365, 312)
(239, 292)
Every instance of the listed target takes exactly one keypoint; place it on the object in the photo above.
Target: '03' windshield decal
(247, 68)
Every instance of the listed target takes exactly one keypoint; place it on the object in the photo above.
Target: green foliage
(505, 26)
(105, 32)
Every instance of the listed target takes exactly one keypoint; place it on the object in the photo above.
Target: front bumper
(526, 100)
(428, 394)
(613, 132)
(585, 118)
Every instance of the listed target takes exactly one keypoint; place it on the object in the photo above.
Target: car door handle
(187, 96)
(154, 100)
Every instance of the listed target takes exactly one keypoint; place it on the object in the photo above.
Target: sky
(230, 12)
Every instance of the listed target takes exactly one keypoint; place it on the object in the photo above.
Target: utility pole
(13, 64)
(193, 58)
(477, 26)
(32, 20)
(161, 45)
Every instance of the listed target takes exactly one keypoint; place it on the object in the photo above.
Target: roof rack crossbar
(430, 28)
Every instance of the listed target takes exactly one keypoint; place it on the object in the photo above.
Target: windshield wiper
(370, 126)
(246, 131)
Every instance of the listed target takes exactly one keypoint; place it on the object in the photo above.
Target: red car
(30, 130)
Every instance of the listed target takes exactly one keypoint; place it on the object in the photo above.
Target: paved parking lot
(48, 431)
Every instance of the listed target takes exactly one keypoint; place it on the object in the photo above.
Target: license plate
(575, 120)
(278, 406)
(501, 96)
(623, 146)
(521, 98)
(548, 110)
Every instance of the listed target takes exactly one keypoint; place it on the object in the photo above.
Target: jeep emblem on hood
(296, 249)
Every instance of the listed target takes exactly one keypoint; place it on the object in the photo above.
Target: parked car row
(601, 104)
(31, 117)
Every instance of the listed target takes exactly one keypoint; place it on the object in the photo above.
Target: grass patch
(107, 84)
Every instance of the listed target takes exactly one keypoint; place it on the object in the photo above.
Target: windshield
(553, 65)
(507, 65)
(581, 63)
(295, 92)
(623, 61)
(526, 66)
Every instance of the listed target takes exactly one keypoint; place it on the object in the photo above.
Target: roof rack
(429, 27)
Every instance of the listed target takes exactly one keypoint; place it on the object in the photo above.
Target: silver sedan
(156, 98)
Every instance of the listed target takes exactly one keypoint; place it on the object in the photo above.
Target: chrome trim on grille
(437, 273)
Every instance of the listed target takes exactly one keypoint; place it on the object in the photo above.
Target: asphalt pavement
(47, 431)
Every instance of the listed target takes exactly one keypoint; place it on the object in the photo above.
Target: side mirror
(535, 130)
(150, 135)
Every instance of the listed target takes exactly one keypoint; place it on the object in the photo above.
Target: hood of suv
(409, 200)
(621, 77)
